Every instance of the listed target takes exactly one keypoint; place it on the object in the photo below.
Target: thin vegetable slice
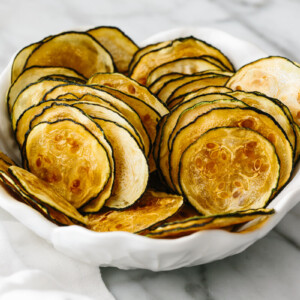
(44, 194)
(99, 111)
(119, 45)
(152, 208)
(234, 117)
(49, 149)
(23, 123)
(196, 224)
(131, 168)
(179, 93)
(142, 51)
(274, 76)
(76, 50)
(20, 60)
(160, 81)
(129, 86)
(31, 75)
(227, 170)
(272, 107)
(207, 90)
(186, 65)
(60, 111)
(182, 116)
(82, 90)
(148, 114)
(183, 47)
(31, 95)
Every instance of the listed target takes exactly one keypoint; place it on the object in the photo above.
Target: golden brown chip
(151, 209)
(119, 45)
(76, 50)
(196, 224)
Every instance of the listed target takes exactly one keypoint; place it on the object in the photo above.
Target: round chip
(71, 159)
(76, 50)
(227, 170)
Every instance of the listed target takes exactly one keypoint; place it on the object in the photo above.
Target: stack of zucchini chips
(163, 141)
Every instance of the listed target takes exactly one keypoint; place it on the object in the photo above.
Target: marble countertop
(270, 269)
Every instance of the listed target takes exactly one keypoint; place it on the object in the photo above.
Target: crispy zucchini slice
(274, 76)
(160, 81)
(185, 65)
(217, 175)
(130, 166)
(119, 45)
(191, 225)
(251, 118)
(60, 111)
(169, 86)
(99, 111)
(18, 193)
(148, 114)
(207, 90)
(20, 60)
(182, 47)
(151, 209)
(167, 89)
(23, 123)
(129, 86)
(31, 95)
(76, 50)
(43, 193)
(31, 75)
(182, 116)
(179, 93)
(271, 107)
(100, 96)
(142, 51)
(50, 147)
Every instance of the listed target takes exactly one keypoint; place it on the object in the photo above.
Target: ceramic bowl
(126, 250)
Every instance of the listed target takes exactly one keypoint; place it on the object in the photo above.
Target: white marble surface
(270, 269)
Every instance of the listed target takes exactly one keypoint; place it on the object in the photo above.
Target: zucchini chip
(43, 193)
(179, 93)
(101, 112)
(119, 45)
(273, 108)
(182, 116)
(186, 65)
(195, 224)
(20, 60)
(274, 76)
(151, 209)
(227, 170)
(32, 75)
(31, 95)
(129, 86)
(167, 89)
(147, 114)
(23, 123)
(75, 50)
(160, 81)
(100, 96)
(251, 118)
(207, 90)
(62, 111)
(131, 168)
(142, 51)
(69, 158)
(182, 47)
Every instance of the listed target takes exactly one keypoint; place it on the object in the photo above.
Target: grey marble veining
(270, 269)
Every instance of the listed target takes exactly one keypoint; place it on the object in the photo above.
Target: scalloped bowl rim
(125, 250)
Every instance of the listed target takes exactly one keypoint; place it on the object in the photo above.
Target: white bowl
(125, 250)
